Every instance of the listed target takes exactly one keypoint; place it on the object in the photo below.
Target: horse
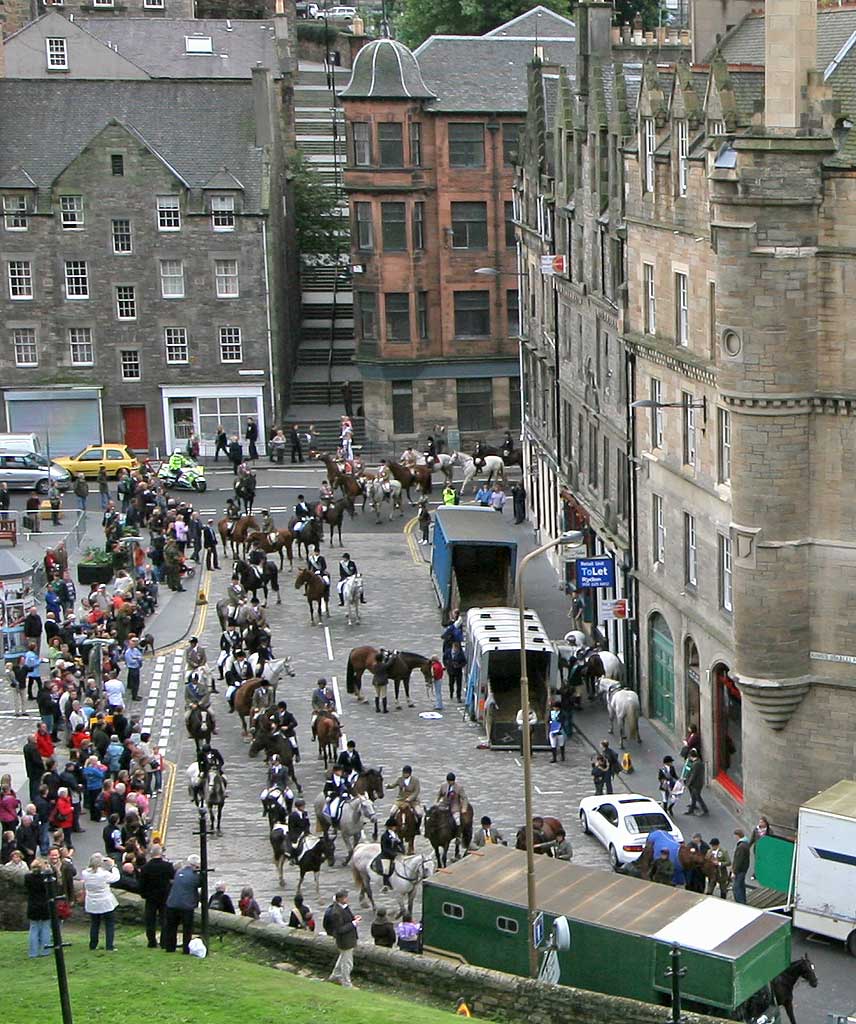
(272, 741)
(200, 725)
(347, 483)
(491, 464)
(544, 832)
(245, 490)
(194, 783)
(310, 535)
(441, 828)
(243, 699)
(328, 732)
(408, 825)
(442, 462)
(369, 783)
(408, 872)
(235, 531)
(599, 664)
(255, 577)
(352, 817)
(333, 513)
(352, 593)
(467, 464)
(362, 659)
(514, 457)
(231, 614)
(419, 476)
(316, 592)
(214, 795)
(686, 858)
(623, 707)
(276, 804)
(279, 541)
(783, 984)
(377, 494)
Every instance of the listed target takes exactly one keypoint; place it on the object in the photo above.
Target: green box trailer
(622, 929)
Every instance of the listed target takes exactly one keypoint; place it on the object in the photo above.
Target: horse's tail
(350, 677)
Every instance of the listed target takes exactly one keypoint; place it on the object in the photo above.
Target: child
(157, 773)
(424, 520)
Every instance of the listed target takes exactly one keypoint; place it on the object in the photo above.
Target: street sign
(551, 265)
(538, 930)
(615, 611)
(595, 572)
(550, 970)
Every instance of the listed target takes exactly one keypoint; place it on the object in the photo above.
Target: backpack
(328, 922)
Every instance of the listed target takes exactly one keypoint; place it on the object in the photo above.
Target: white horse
(377, 494)
(493, 464)
(352, 593)
(623, 707)
(613, 666)
(356, 813)
(273, 670)
(442, 462)
(194, 782)
(408, 873)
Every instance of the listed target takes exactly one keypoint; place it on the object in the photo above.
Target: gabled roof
(14, 177)
(174, 119)
(386, 69)
(224, 179)
(540, 22)
(744, 44)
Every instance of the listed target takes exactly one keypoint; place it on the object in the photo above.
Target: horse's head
(427, 867)
(301, 579)
(374, 783)
(607, 686)
(328, 845)
(806, 970)
(367, 808)
(426, 671)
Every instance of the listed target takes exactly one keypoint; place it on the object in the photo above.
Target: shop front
(728, 731)
(66, 419)
(202, 409)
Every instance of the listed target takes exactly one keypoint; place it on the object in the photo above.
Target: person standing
(695, 783)
(497, 498)
(38, 909)
(437, 673)
(194, 536)
(341, 923)
(296, 445)
(172, 564)
(518, 503)
(613, 764)
(133, 658)
(103, 488)
(99, 901)
(4, 500)
(180, 904)
(424, 520)
(156, 878)
(209, 542)
(740, 866)
(236, 454)
(667, 779)
(601, 775)
(221, 443)
(455, 662)
(252, 436)
(81, 491)
(722, 863)
(33, 629)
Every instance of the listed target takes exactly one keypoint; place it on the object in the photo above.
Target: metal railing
(32, 545)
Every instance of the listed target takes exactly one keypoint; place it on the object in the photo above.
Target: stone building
(148, 278)
(20, 12)
(432, 137)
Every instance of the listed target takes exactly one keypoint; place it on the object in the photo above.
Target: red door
(136, 427)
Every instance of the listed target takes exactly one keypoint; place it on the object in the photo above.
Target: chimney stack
(263, 101)
(2, 51)
(790, 53)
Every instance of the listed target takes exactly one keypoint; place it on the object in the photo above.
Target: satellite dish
(562, 933)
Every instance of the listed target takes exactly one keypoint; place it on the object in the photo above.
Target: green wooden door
(662, 671)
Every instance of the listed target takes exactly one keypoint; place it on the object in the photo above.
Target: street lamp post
(573, 537)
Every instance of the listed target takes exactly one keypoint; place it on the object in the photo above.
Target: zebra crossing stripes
(163, 695)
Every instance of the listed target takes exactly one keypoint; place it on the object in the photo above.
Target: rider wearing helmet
(176, 464)
(267, 526)
(347, 568)
(391, 844)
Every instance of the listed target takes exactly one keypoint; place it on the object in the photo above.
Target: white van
(21, 443)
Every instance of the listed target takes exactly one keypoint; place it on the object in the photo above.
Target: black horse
(245, 491)
(333, 513)
(309, 536)
(257, 574)
(783, 984)
(513, 458)
(441, 828)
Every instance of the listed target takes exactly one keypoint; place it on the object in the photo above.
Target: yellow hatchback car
(112, 457)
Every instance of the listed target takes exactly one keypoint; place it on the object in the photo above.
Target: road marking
(160, 829)
(329, 641)
(548, 792)
(411, 543)
(343, 736)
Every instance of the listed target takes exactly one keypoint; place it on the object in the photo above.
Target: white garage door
(65, 422)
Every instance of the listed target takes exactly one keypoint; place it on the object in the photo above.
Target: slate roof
(386, 69)
(198, 128)
(551, 99)
(748, 89)
(540, 22)
(744, 44)
(157, 45)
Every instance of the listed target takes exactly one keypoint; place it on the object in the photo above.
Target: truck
(473, 558)
(493, 673)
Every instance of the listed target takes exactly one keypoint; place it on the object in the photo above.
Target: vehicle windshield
(645, 823)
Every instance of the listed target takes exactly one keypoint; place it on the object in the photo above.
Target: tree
(626, 11)
(418, 19)
(316, 223)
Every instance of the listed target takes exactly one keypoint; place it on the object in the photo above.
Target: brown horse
(237, 536)
(333, 513)
(277, 542)
(316, 592)
(420, 476)
(544, 830)
(362, 659)
(514, 457)
(370, 783)
(408, 825)
(328, 731)
(310, 536)
(441, 828)
(347, 483)
(243, 700)
(688, 859)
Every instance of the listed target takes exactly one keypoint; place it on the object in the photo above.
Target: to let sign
(595, 572)
(552, 265)
(614, 611)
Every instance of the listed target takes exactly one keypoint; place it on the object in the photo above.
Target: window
(130, 363)
(157, 4)
(469, 225)
(76, 279)
(362, 144)
(623, 483)
(422, 315)
(102, 3)
(514, 403)
(397, 308)
(231, 349)
(365, 229)
(57, 54)
(169, 213)
(649, 145)
(121, 232)
(657, 431)
(682, 309)
(716, 127)
(80, 346)
(510, 143)
(402, 423)
(15, 213)
(390, 143)
(472, 314)
(507, 925)
(475, 403)
(126, 302)
(198, 44)
(393, 218)
(367, 314)
(20, 279)
(723, 423)
(418, 226)
(658, 522)
(683, 145)
(175, 343)
(466, 145)
(24, 344)
(223, 213)
(649, 299)
(415, 143)
(726, 574)
(593, 452)
(172, 279)
(452, 910)
(606, 483)
(512, 312)
(71, 212)
(117, 165)
(690, 551)
(226, 279)
(689, 430)
(510, 233)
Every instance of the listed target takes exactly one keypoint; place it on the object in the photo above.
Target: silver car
(31, 472)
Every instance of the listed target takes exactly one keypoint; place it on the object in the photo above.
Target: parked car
(621, 823)
(342, 13)
(112, 457)
(29, 471)
(306, 10)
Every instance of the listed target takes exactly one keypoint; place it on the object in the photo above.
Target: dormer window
(223, 213)
(682, 152)
(648, 144)
(716, 126)
(198, 44)
(15, 213)
(57, 54)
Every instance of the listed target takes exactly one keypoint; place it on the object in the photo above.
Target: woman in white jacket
(100, 903)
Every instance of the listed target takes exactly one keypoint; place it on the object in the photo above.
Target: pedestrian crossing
(167, 678)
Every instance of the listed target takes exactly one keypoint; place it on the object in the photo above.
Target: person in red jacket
(43, 740)
(62, 815)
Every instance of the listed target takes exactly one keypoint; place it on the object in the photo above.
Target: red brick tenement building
(432, 137)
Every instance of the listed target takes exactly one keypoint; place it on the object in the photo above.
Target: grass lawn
(225, 988)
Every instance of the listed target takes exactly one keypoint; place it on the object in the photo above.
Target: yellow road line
(411, 543)
(199, 616)
(163, 822)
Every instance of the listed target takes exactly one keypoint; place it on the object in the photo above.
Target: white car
(342, 13)
(621, 822)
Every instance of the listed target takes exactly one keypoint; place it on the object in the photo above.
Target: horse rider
(391, 845)
(288, 725)
(260, 702)
(453, 798)
(347, 568)
(256, 614)
(235, 594)
(318, 564)
(267, 527)
(507, 444)
(322, 700)
(209, 757)
(384, 476)
(233, 512)
(238, 673)
(408, 793)
(350, 760)
(196, 693)
(325, 493)
(297, 827)
(302, 513)
(487, 835)
(337, 791)
(408, 458)
(196, 660)
(277, 773)
(430, 451)
(230, 640)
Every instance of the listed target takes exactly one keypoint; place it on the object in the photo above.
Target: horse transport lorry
(473, 558)
(622, 930)
(493, 673)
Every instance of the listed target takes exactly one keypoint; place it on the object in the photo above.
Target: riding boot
(386, 883)
(562, 752)
(553, 759)
(385, 708)
(362, 599)
(341, 602)
(377, 704)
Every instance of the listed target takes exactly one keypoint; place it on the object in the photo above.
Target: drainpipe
(274, 398)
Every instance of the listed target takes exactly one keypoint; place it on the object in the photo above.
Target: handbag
(678, 788)
(63, 909)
